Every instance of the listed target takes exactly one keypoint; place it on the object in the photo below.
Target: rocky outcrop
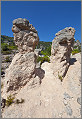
(22, 67)
(53, 98)
(60, 52)
(25, 35)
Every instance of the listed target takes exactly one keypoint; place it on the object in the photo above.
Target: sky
(48, 17)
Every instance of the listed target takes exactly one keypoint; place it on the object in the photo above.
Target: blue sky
(48, 17)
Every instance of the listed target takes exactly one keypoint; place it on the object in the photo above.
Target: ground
(52, 98)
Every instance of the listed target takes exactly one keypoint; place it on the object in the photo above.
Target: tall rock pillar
(61, 49)
(23, 64)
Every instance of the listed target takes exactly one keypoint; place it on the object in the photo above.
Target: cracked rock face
(25, 35)
(22, 67)
(61, 49)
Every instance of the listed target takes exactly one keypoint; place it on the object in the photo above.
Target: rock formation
(53, 98)
(61, 49)
(22, 68)
(25, 35)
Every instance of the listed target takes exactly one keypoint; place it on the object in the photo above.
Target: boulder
(62, 46)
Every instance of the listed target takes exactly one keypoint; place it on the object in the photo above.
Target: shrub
(43, 59)
(60, 77)
(75, 51)
(11, 47)
(7, 49)
(4, 47)
(9, 100)
(7, 59)
(47, 51)
(2, 84)
(75, 47)
(43, 53)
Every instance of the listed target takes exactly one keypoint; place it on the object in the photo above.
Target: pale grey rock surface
(62, 46)
(22, 67)
(20, 70)
(25, 35)
(52, 98)
(48, 97)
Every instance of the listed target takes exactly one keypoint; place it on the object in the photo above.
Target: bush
(75, 47)
(2, 84)
(7, 49)
(46, 52)
(60, 77)
(43, 59)
(9, 100)
(11, 47)
(7, 59)
(75, 51)
(4, 47)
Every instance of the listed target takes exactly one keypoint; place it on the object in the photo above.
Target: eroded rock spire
(23, 65)
(25, 35)
(61, 49)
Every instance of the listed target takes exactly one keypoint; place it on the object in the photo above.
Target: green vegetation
(18, 101)
(43, 59)
(2, 85)
(75, 51)
(60, 77)
(6, 39)
(43, 45)
(4, 47)
(46, 52)
(9, 100)
(7, 45)
(7, 59)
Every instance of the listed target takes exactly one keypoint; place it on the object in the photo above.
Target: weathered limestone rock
(61, 49)
(22, 67)
(25, 35)
(20, 70)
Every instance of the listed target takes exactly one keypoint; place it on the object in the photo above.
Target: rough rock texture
(20, 70)
(22, 67)
(51, 99)
(61, 49)
(25, 35)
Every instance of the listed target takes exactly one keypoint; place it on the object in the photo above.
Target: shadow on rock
(72, 61)
(40, 73)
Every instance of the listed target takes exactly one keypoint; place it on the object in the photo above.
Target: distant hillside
(9, 40)
(6, 39)
(42, 45)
